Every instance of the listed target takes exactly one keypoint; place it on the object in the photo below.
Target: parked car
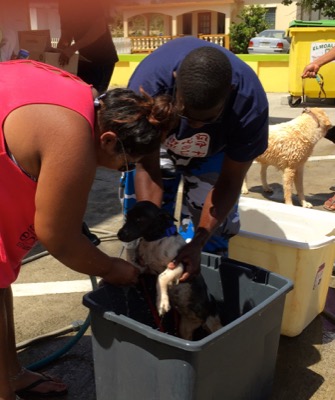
(270, 41)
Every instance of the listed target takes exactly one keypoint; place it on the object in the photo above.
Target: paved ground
(305, 364)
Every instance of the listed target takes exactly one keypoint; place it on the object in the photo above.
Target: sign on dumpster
(320, 48)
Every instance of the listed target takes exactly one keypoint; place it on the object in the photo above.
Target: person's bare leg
(18, 376)
(6, 392)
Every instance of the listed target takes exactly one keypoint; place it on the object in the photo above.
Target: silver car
(270, 41)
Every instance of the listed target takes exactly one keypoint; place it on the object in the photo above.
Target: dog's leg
(299, 185)
(244, 189)
(165, 279)
(187, 326)
(288, 179)
(212, 324)
(265, 185)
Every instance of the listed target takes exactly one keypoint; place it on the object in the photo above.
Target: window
(270, 17)
(204, 23)
(187, 24)
(221, 22)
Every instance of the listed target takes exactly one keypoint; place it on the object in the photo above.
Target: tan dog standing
(290, 145)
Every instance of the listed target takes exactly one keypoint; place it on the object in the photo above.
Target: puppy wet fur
(290, 144)
(157, 244)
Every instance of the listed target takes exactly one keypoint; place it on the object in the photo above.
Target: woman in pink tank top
(53, 136)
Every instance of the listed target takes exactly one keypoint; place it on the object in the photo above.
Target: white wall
(284, 14)
(44, 15)
(14, 17)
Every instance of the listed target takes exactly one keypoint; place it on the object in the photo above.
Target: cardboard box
(53, 57)
(36, 42)
(295, 242)
(133, 360)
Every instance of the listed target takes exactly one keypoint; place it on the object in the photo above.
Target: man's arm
(312, 69)
(96, 29)
(91, 18)
(148, 180)
(219, 202)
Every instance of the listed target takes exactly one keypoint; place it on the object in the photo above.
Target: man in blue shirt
(222, 126)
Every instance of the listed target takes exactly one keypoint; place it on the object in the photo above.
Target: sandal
(330, 204)
(28, 390)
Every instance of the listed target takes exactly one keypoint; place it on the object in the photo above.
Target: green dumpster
(310, 40)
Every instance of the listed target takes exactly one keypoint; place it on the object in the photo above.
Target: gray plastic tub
(135, 361)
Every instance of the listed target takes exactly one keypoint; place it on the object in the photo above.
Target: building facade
(203, 17)
(179, 17)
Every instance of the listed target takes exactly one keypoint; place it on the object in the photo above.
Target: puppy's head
(321, 117)
(144, 219)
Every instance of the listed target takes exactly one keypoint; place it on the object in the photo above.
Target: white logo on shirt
(194, 146)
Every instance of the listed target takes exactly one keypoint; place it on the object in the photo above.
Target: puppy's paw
(306, 204)
(163, 305)
(244, 188)
(212, 324)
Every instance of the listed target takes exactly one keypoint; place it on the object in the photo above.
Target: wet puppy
(157, 245)
(290, 144)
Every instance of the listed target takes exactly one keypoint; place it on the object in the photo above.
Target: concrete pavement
(305, 364)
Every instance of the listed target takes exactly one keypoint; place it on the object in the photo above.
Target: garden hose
(74, 327)
(47, 360)
(79, 326)
(59, 353)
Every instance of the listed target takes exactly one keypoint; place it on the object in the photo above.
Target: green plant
(252, 22)
(327, 7)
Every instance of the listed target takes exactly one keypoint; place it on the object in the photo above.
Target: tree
(326, 6)
(252, 22)
(116, 24)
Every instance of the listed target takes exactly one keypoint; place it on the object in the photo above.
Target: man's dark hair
(204, 78)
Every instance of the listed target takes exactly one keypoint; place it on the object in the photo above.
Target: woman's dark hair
(138, 119)
(204, 78)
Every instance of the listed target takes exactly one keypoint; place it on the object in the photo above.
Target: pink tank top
(26, 82)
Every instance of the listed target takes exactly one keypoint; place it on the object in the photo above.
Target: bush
(252, 22)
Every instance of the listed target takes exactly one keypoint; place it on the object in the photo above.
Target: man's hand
(65, 55)
(190, 257)
(310, 70)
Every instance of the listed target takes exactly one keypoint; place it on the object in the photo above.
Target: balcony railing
(220, 39)
(54, 42)
(147, 44)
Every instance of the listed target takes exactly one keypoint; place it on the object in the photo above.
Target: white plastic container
(294, 242)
